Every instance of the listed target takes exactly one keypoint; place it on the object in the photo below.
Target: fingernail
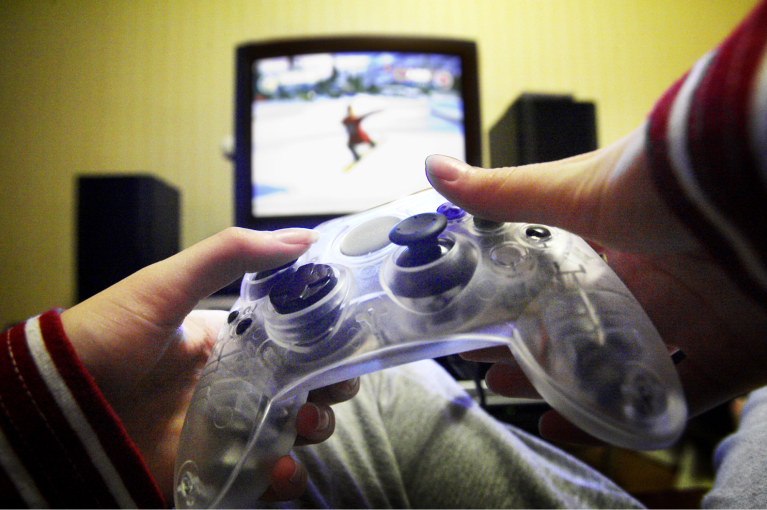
(349, 386)
(298, 474)
(445, 168)
(323, 418)
(296, 236)
(345, 390)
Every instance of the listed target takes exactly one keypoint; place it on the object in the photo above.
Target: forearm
(61, 443)
(707, 148)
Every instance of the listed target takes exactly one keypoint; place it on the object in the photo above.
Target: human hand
(608, 198)
(145, 347)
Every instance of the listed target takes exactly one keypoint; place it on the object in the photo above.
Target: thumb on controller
(563, 194)
(607, 196)
(138, 317)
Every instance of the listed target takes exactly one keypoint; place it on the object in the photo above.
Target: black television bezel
(247, 53)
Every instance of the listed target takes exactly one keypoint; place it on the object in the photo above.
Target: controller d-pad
(303, 288)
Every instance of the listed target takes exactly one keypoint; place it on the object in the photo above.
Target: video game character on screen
(357, 135)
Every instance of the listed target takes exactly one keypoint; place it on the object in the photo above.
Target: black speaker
(540, 127)
(124, 223)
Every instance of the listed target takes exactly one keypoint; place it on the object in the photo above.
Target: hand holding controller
(413, 279)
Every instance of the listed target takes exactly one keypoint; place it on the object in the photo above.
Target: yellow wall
(91, 86)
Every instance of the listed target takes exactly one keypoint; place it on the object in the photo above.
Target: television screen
(331, 126)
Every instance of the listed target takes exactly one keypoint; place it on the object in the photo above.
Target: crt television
(330, 126)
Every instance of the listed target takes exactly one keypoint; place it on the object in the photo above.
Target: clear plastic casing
(575, 329)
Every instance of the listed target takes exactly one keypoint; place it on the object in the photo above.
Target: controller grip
(233, 437)
(597, 359)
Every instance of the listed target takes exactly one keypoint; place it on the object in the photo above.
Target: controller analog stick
(303, 288)
(432, 269)
(420, 234)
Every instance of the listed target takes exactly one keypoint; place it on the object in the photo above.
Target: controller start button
(298, 291)
(368, 237)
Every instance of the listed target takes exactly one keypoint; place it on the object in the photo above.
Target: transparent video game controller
(413, 279)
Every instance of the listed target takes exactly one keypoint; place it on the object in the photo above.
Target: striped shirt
(707, 147)
(61, 445)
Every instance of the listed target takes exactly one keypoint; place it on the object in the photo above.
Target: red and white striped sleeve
(707, 147)
(61, 445)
